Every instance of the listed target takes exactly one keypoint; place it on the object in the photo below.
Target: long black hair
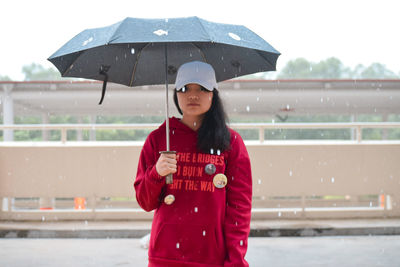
(213, 134)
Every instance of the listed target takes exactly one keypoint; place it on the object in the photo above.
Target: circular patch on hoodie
(220, 180)
(210, 169)
(169, 199)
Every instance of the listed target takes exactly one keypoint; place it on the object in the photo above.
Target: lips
(193, 105)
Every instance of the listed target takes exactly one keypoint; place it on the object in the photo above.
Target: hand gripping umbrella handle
(168, 178)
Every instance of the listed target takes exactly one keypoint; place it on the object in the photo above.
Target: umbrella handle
(168, 179)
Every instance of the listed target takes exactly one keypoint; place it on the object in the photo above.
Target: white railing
(357, 126)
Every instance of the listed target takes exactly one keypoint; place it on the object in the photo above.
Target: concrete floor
(262, 252)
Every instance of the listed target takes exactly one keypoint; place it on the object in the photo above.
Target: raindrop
(222, 58)
(258, 98)
(218, 152)
(370, 204)
(259, 181)
(190, 54)
(279, 214)
(177, 245)
(87, 41)
(234, 36)
(194, 123)
(333, 180)
(166, 20)
(322, 100)
(132, 51)
(43, 218)
(236, 223)
(247, 108)
(241, 242)
(290, 173)
(273, 121)
(183, 89)
(204, 233)
(287, 107)
(211, 151)
(160, 32)
(196, 209)
(86, 223)
(233, 178)
(322, 180)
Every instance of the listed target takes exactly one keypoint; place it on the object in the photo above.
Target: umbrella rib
(136, 63)
(266, 59)
(201, 52)
(69, 68)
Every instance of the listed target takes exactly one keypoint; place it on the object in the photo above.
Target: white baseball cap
(196, 72)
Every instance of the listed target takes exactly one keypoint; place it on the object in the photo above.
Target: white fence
(291, 179)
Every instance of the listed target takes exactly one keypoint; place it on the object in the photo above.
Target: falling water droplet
(177, 245)
(290, 173)
(211, 151)
(196, 209)
(204, 233)
(132, 51)
(241, 242)
(279, 214)
(259, 181)
(333, 180)
(218, 152)
(248, 108)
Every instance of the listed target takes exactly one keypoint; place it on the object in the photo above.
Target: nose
(193, 97)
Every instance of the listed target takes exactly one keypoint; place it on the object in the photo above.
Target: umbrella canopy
(138, 52)
(132, 52)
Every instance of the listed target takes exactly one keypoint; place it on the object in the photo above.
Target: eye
(182, 90)
(203, 89)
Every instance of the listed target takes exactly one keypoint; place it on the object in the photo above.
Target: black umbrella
(138, 52)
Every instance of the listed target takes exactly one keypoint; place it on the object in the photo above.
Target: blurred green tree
(36, 72)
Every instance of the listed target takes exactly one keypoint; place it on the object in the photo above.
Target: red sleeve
(148, 184)
(238, 206)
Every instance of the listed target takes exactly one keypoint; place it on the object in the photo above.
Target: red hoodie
(205, 225)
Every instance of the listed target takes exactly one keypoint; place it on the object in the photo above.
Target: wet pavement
(263, 251)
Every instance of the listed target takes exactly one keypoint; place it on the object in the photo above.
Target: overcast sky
(355, 31)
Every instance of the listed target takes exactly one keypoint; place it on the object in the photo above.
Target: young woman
(203, 218)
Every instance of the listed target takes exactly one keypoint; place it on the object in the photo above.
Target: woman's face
(194, 100)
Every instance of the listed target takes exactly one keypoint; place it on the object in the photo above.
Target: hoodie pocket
(188, 243)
